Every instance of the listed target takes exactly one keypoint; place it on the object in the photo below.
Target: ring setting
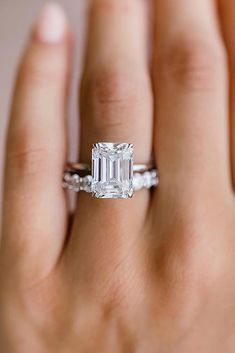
(113, 174)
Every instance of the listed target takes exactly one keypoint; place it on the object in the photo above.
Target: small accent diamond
(86, 183)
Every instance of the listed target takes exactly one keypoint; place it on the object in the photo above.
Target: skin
(155, 273)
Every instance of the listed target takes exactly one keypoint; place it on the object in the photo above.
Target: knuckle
(192, 63)
(27, 158)
(31, 161)
(110, 86)
(110, 94)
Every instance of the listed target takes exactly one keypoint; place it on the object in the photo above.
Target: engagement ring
(112, 174)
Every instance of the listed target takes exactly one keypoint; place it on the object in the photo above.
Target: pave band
(73, 181)
(112, 174)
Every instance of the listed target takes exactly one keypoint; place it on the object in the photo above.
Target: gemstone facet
(112, 170)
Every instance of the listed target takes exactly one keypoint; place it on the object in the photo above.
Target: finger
(227, 13)
(116, 106)
(34, 207)
(191, 110)
(116, 99)
(116, 93)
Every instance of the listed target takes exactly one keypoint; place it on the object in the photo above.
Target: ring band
(112, 174)
(84, 167)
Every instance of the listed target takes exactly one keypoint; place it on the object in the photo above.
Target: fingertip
(51, 25)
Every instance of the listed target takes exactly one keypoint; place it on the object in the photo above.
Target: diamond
(138, 182)
(112, 170)
(74, 183)
(86, 183)
(67, 177)
(147, 180)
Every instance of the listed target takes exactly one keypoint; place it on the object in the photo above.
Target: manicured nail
(51, 24)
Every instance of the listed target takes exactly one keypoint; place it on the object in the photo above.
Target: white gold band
(84, 167)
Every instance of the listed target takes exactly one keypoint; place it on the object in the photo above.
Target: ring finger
(116, 106)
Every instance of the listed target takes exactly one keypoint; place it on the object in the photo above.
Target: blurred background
(16, 18)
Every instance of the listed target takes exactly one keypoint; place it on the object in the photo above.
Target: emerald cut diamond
(112, 170)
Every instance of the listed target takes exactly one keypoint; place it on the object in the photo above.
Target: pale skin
(155, 273)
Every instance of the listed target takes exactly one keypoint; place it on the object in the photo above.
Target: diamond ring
(112, 175)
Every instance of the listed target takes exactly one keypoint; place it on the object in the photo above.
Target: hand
(155, 273)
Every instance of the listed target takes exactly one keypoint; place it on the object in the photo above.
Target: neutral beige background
(16, 18)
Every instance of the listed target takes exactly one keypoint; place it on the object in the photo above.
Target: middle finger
(116, 106)
(192, 101)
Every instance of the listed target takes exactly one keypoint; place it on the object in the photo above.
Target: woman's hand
(155, 273)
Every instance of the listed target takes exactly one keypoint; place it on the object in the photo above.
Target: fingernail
(51, 24)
